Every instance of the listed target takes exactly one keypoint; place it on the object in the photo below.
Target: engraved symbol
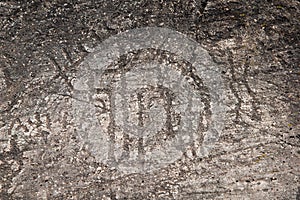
(138, 105)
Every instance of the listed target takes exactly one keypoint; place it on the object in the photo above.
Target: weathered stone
(45, 47)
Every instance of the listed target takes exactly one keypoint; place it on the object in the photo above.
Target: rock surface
(254, 43)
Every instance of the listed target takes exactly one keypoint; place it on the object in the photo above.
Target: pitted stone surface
(44, 49)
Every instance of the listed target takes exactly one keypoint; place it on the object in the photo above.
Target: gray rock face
(149, 100)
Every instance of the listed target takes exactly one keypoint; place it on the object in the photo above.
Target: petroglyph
(148, 112)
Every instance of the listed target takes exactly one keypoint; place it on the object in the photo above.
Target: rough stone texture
(256, 44)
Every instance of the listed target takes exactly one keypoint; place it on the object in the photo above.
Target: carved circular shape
(144, 96)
